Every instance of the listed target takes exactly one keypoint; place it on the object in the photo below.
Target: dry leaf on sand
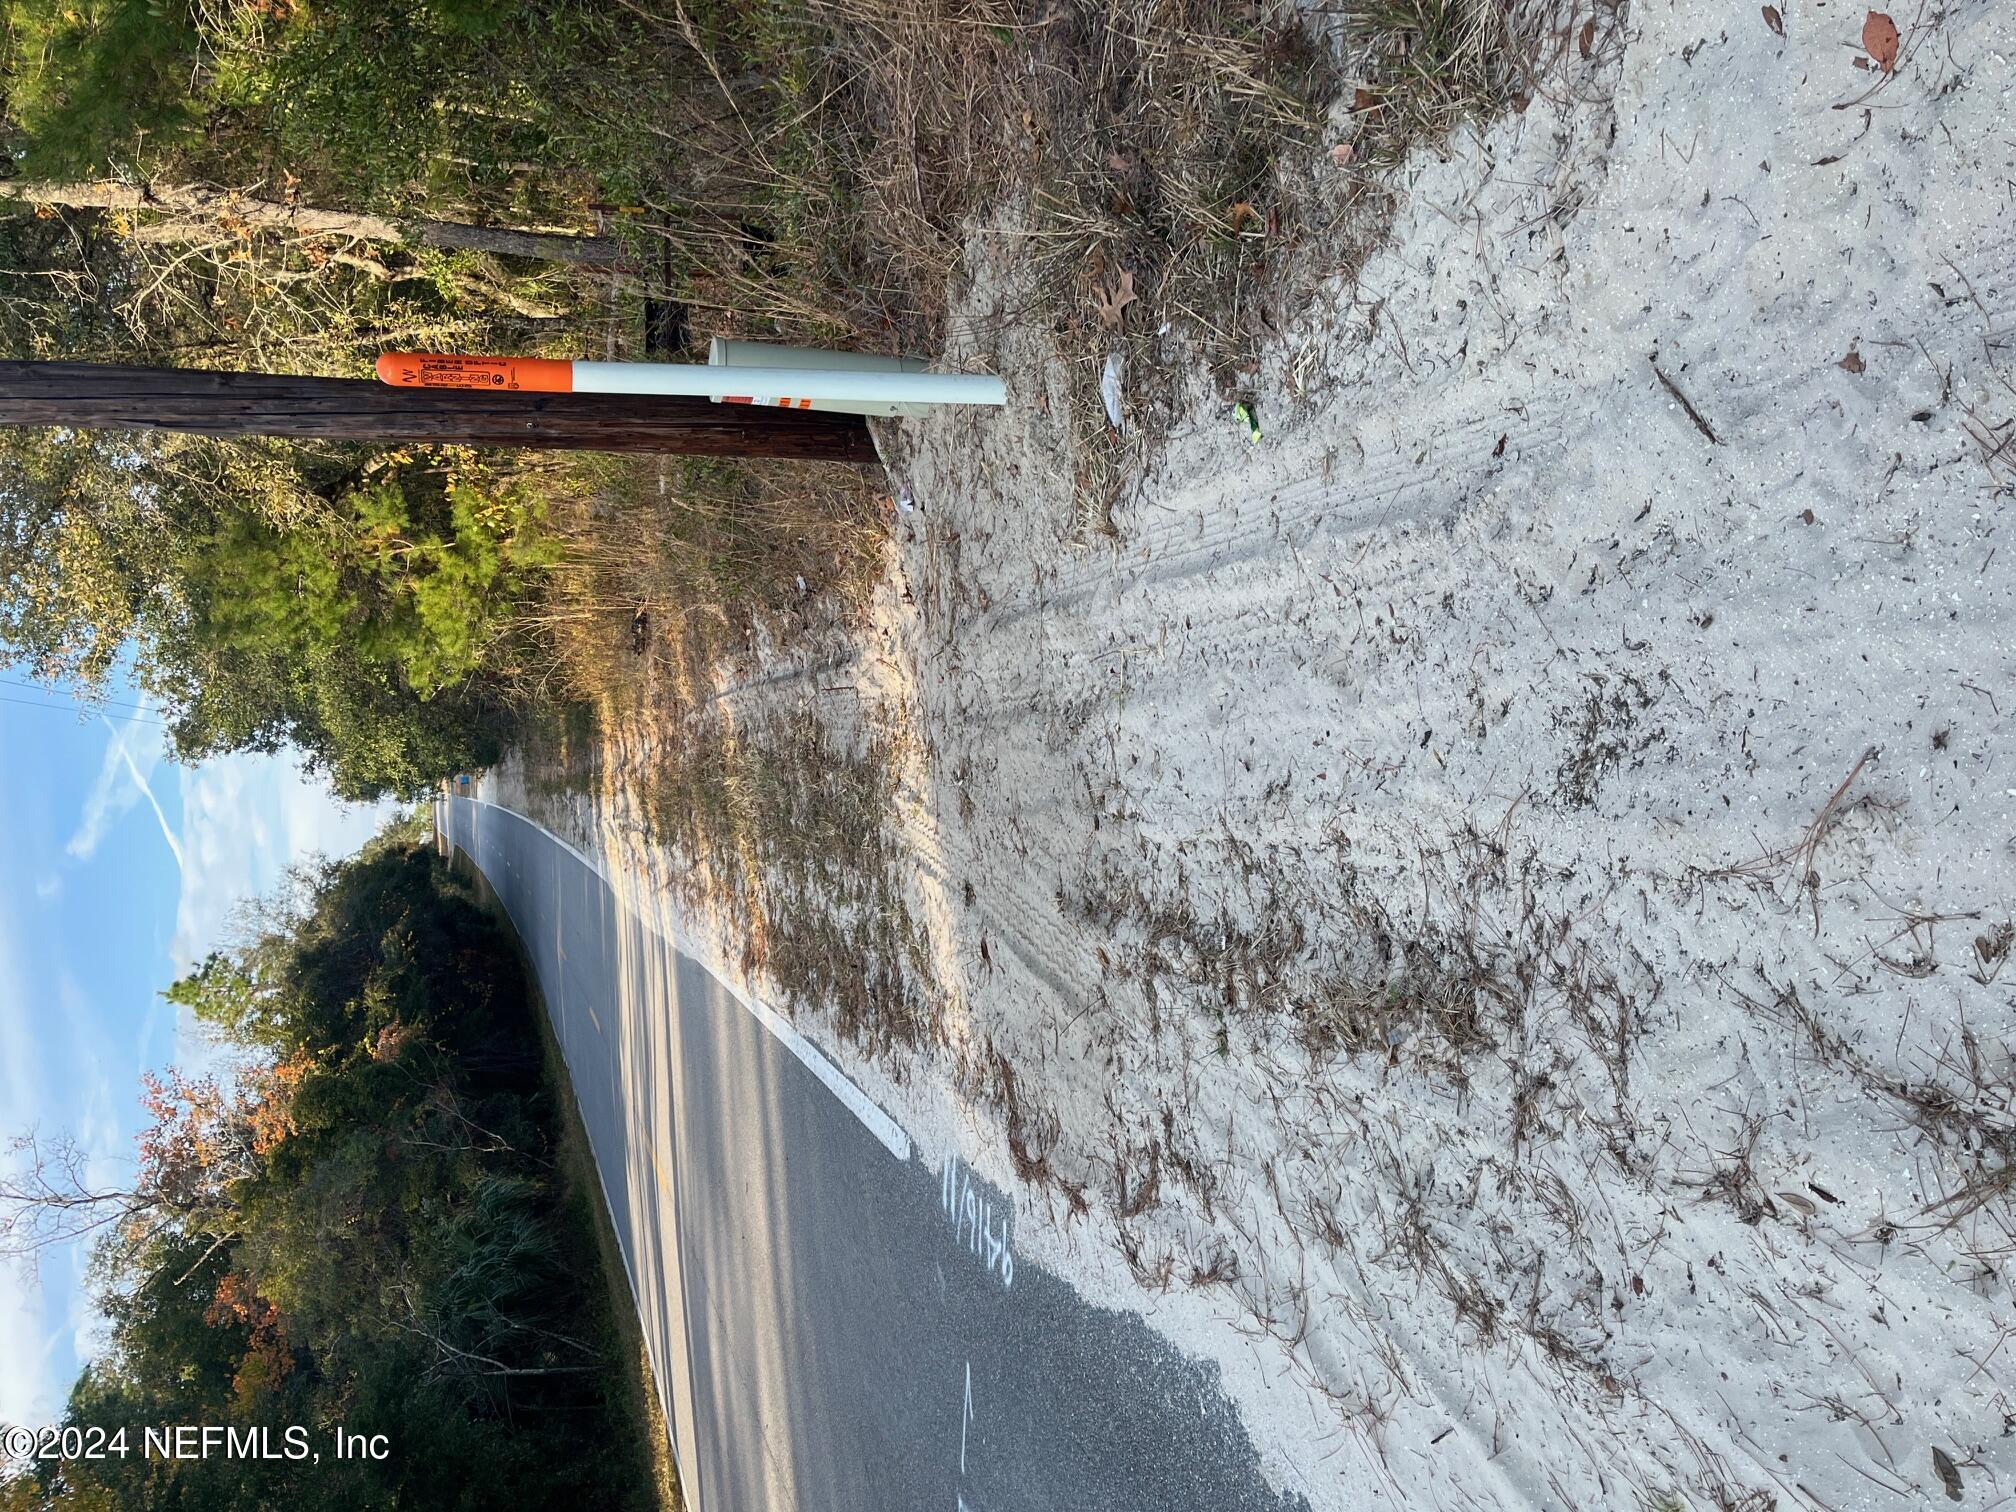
(1113, 302)
(1879, 40)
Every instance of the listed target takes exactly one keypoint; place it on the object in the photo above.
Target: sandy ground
(1495, 899)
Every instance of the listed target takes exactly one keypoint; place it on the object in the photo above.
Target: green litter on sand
(1243, 413)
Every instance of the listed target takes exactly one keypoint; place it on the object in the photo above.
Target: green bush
(93, 83)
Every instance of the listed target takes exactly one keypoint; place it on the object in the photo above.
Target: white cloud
(29, 1391)
(111, 795)
(220, 846)
(92, 1110)
(140, 781)
(122, 782)
(105, 1142)
(315, 823)
(245, 820)
(20, 1059)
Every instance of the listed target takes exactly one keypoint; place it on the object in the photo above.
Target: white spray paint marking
(872, 1118)
(965, 1418)
(971, 1214)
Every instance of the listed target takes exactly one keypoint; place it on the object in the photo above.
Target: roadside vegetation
(382, 1217)
(294, 188)
(787, 827)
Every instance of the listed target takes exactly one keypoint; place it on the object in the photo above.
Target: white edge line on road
(809, 1055)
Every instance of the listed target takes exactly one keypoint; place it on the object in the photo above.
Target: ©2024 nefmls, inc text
(187, 1441)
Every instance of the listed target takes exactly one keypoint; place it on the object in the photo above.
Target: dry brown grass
(836, 190)
(1956, 1092)
(859, 156)
(1444, 992)
(833, 167)
(1423, 67)
(681, 559)
(781, 830)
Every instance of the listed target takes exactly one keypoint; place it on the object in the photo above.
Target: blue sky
(118, 869)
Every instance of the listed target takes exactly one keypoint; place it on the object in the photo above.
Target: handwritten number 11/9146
(971, 1214)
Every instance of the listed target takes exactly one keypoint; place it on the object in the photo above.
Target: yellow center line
(664, 1187)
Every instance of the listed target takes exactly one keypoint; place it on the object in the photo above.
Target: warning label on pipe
(435, 370)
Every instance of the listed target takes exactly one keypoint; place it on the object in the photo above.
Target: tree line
(364, 1225)
(262, 185)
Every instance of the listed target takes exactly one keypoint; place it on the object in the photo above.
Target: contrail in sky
(140, 781)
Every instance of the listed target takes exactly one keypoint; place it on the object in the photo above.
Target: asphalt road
(838, 1321)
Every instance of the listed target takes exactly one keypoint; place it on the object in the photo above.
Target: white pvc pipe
(723, 352)
(783, 385)
(843, 381)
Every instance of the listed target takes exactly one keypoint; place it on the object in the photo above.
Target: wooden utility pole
(85, 396)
